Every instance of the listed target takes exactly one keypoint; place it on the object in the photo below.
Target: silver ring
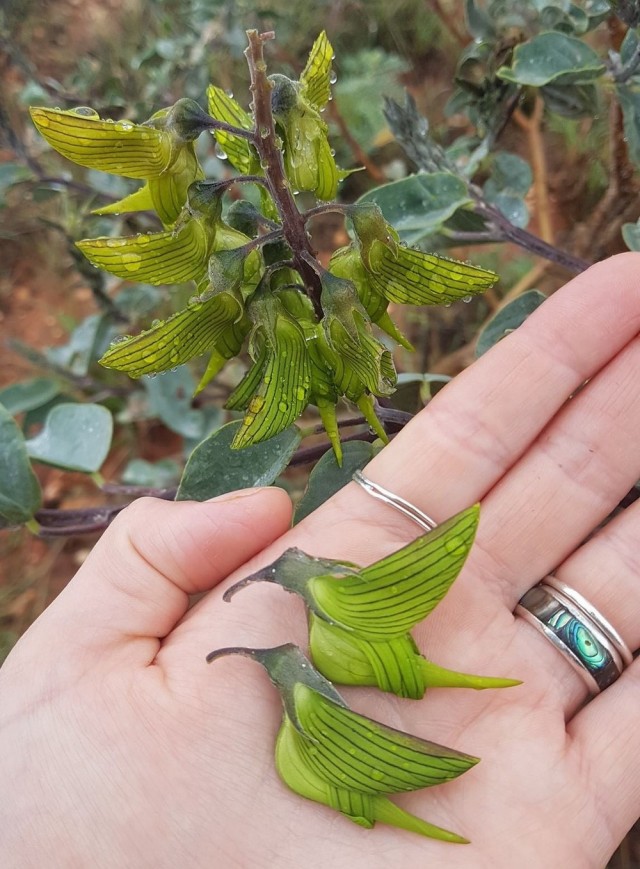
(575, 627)
(586, 639)
(406, 507)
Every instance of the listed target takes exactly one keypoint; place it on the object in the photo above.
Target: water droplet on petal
(131, 261)
(86, 112)
(333, 77)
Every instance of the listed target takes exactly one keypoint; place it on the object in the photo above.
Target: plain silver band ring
(406, 507)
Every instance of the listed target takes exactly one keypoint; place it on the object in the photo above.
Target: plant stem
(531, 126)
(525, 239)
(265, 143)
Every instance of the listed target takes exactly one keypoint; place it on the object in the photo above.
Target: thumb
(135, 584)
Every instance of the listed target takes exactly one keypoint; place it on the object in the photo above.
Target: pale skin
(121, 747)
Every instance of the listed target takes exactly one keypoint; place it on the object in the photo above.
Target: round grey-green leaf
(417, 206)
(20, 494)
(509, 318)
(28, 394)
(553, 57)
(328, 477)
(214, 468)
(75, 437)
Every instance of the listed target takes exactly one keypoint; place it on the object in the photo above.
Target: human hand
(121, 748)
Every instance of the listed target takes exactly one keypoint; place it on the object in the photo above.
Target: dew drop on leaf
(131, 261)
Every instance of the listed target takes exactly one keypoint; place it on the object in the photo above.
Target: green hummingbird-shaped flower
(159, 151)
(360, 619)
(275, 389)
(334, 756)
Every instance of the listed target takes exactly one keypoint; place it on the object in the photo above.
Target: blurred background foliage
(557, 158)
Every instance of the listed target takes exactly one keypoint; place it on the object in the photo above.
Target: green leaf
(510, 180)
(10, 174)
(214, 467)
(479, 23)
(509, 318)
(418, 205)
(553, 57)
(84, 345)
(75, 437)
(28, 394)
(571, 101)
(157, 475)
(170, 395)
(630, 234)
(123, 148)
(509, 172)
(629, 98)
(20, 495)
(328, 477)
(316, 78)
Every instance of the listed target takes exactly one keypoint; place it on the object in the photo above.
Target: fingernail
(240, 493)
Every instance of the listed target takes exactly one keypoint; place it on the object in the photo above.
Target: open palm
(121, 747)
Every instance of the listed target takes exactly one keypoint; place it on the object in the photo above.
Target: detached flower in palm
(159, 151)
(360, 619)
(331, 755)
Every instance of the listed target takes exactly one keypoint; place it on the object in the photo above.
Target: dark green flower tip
(369, 225)
(204, 199)
(286, 667)
(245, 217)
(186, 119)
(226, 270)
(339, 300)
(292, 571)
(284, 97)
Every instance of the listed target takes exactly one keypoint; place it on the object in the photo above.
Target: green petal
(347, 659)
(293, 769)
(397, 592)
(354, 752)
(214, 366)
(417, 278)
(169, 192)
(139, 200)
(327, 410)
(122, 148)
(244, 391)
(225, 108)
(366, 407)
(284, 390)
(366, 358)
(173, 342)
(154, 258)
(388, 813)
(316, 78)
(328, 174)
